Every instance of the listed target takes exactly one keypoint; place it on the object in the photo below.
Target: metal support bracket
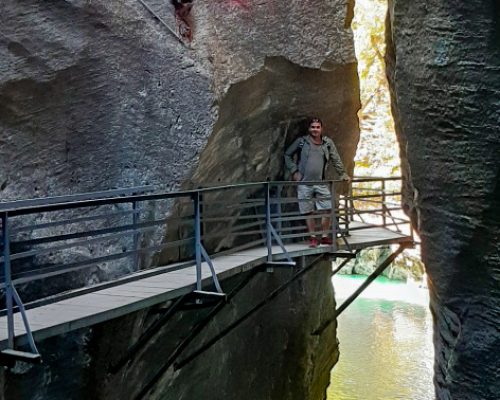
(206, 298)
(370, 279)
(11, 297)
(200, 251)
(272, 234)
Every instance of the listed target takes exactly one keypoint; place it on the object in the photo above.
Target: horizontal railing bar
(292, 200)
(402, 220)
(77, 235)
(363, 189)
(371, 225)
(72, 221)
(379, 202)
(238, 228)
(305, 234)
(230, 231)
(208, 220)
(94, 203)
(373, 211)
(236, 249)
(305, 183)
(235, 203)
(207, 189)
(255, 216)
(245, 233)
(375, 178)
(263, 231)
(44, 201)
(65, 268)
(299, 217)
(369, 196)
(38, 252)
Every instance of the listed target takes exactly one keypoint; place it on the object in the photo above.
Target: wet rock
(444, 72)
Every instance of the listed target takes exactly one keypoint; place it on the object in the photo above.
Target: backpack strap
(302, 141)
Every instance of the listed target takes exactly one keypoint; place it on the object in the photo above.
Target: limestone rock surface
(99, 95)
(444, 71)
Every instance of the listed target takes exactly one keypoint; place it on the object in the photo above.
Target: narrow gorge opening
(386, 348)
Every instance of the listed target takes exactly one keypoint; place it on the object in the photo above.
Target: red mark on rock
(241, 3)
(183, 18)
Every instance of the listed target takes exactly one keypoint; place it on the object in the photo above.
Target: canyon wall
(99, 95)
(444, 70)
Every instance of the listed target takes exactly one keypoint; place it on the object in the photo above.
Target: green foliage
(377, 150)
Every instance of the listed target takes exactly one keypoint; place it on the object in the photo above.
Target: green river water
(385, 340)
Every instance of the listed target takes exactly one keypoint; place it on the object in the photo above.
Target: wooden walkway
(87, 309)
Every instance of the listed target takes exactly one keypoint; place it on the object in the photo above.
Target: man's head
(315, 127)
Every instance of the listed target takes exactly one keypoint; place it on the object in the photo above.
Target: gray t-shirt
(315, 164)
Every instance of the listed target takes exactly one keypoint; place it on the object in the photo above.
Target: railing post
(351, 209)
(333, 216)
(197, 237)
(384, 208)
(346, 210)
(8, 280)
(267, 203)
(135, 221)
(202, 212)
(279, 225)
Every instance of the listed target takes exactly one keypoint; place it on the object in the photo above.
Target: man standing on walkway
(313, 152)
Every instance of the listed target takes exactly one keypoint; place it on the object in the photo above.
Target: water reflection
(385, 339)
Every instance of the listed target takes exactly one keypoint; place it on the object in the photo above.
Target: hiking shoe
(313, 242)
(326, 240)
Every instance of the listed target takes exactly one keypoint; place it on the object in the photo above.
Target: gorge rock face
(93, 96)
(98, 95)
(444, 71)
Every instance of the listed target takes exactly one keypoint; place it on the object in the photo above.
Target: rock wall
(444, 70)
(98, 95)
(273, 355)
(85, 89)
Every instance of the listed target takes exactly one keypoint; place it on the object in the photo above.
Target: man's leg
(326, 226)
(324, 206)
(311, 224)
(306, 207)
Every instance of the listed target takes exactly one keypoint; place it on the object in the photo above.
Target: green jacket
(302, 145)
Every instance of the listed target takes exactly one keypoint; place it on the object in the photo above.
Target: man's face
(315, 130)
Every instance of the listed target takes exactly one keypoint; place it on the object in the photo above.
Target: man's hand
(346, 178)
(297, 176)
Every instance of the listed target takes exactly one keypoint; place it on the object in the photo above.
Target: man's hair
(315, 119)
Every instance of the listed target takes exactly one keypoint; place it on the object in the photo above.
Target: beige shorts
(312, 195)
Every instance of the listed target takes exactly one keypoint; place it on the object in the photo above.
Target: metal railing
(75, 241)
(377, 202)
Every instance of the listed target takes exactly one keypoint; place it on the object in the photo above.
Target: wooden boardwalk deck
(87, 309)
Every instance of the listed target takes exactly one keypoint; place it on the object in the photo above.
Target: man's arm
(337, 162)
(290, 164)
